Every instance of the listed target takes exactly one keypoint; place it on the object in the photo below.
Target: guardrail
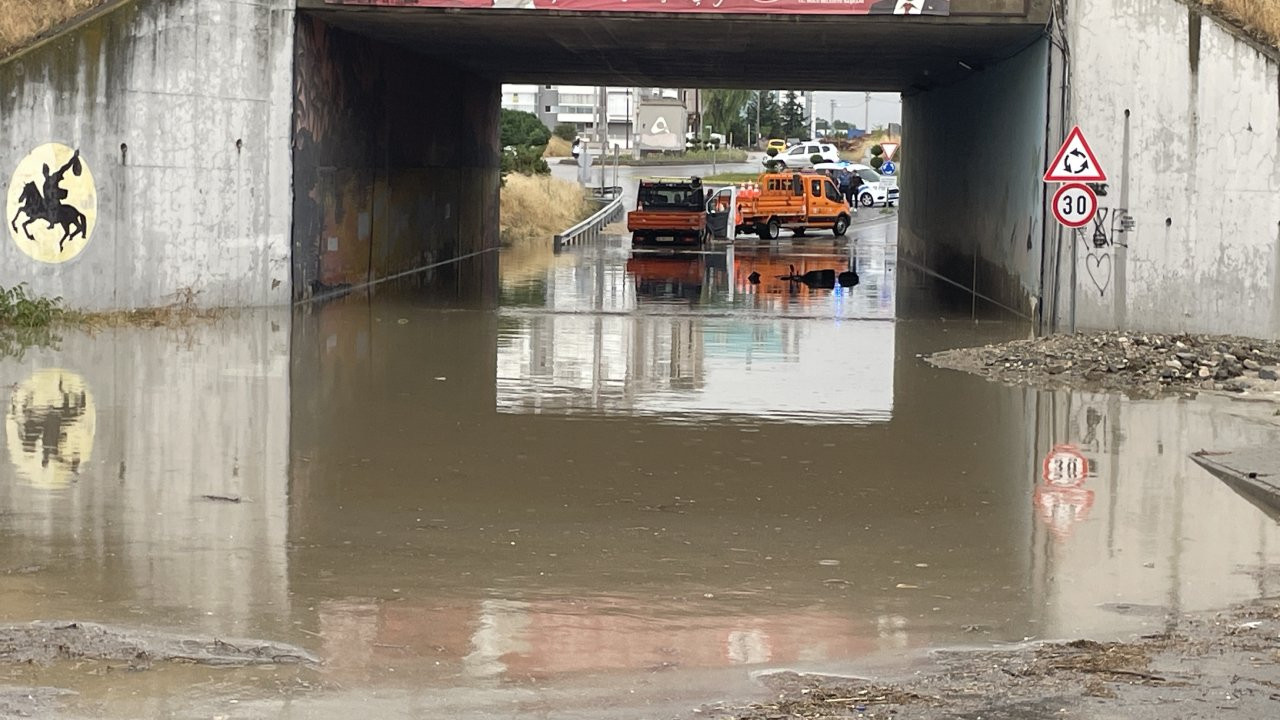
(591, 228)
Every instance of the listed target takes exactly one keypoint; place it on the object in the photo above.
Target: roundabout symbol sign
(1074, 205)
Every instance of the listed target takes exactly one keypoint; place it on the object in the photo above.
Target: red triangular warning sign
(1075, 161)
(889, 150)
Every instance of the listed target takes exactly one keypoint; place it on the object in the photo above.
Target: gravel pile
(1139, 364)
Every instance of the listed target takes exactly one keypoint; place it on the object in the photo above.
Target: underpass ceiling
(651, 50)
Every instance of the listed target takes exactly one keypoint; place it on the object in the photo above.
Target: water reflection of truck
(664, 277)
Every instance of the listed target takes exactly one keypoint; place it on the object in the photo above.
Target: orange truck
(796, 201)
(669, 211)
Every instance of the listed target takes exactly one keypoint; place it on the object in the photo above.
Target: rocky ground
(1218, 665)
(43, 643)
(1141, 365)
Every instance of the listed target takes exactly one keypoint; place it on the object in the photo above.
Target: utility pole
(831, 126)
(866, 115)
(759, 99)
(813, 121)
(602, 125)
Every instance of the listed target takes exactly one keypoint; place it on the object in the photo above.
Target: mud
(1204, 665)
(46, 643)
(1136, 365)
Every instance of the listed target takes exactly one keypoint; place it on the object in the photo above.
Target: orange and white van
(798, 202)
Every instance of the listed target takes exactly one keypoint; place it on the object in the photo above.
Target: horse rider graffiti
(52, 204)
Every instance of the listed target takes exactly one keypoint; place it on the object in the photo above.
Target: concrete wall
(973, 191)
(1147, 526)
(180, 110)
(396, 162)
(110, 440)
(1184, 114)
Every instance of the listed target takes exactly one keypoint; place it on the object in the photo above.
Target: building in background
(583, 105)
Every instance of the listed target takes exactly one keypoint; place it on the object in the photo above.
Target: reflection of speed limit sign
(1065, 466)
(1075, 205)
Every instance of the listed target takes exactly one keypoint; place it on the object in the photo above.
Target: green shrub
(877, 162)
(518, 128)
(565, 131)
(525, 160)
(19, 309)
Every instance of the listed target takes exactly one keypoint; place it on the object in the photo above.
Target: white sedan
(800, 157)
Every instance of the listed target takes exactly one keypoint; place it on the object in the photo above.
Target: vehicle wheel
(798, 232)
(772, 229)
(867, 200)
(782, 166)
(842, 224)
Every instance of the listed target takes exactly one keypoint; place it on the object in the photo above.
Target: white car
(876, 189)
(800, 157)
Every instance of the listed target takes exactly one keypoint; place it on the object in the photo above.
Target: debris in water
(222, 498)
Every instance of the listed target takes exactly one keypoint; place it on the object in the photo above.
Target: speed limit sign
(1074, 205)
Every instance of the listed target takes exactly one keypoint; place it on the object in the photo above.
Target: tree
(722, 110)
(518, 128)
(523, 138)
(793, 119)
(770, 120)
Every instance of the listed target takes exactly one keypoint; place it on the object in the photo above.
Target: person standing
(855, 189)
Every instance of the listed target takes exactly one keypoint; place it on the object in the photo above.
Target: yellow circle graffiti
(50, 427)
(52, 204)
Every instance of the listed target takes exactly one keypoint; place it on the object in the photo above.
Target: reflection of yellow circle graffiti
(50, 427)
(52, 204)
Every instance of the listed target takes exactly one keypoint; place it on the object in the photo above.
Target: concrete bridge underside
(409, 96)
(822, 52)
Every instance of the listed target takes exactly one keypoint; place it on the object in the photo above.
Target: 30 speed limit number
(1074, 205)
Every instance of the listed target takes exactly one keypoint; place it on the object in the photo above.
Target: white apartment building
(579, 105)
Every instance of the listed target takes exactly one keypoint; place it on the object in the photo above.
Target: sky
(886, 107)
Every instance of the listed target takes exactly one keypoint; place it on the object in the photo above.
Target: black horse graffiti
(49, 206)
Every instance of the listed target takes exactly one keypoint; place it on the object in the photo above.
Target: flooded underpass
(639, 482)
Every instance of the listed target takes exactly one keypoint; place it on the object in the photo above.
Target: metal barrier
(591, 228)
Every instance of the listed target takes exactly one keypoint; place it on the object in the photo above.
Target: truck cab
(669, 211)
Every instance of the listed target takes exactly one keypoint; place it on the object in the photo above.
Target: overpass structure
(268, 151)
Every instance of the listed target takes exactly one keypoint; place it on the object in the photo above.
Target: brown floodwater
(637, 482)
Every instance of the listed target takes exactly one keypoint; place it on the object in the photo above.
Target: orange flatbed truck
(669, 211)
(796, 201)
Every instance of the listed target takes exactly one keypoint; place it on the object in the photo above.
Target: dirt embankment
(1224, 664)
(22, 21)
(1141, 365)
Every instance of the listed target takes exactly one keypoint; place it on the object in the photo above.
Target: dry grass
(21, 21)
(168, 316)
(557, 147)
(538, 207)
(1260, 18)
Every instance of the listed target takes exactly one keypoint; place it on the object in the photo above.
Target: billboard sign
(771, 7)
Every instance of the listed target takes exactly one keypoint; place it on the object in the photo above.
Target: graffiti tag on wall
(52, 204)
(1109, 226)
